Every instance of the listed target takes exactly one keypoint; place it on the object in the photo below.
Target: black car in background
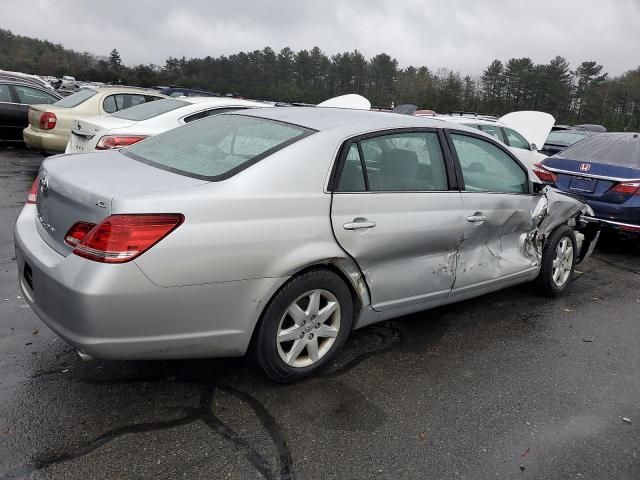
(15, 99)
(563, 136)
(175, 91)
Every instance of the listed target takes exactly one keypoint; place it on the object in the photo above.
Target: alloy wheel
(562, 262)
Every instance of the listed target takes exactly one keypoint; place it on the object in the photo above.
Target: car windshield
(76, 99)
(565, 137)
(610, 149)
(217, 147)
(148, 110)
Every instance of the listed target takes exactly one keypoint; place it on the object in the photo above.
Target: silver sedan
(281, 230)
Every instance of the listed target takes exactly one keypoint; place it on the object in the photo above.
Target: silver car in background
(283, 229)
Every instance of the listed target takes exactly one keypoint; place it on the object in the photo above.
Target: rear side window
(217, 147)
(516, 140)
(486, 168)
(122, 101)
(5, 94)
(76, 99)
(407, 162)
(492, 130)
(148, 110)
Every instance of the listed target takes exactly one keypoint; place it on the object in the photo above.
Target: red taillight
(120, 238)
(543, 174)
(631, 188)
(76, 234)
(118, 141)
(32, 196)
(48, 120)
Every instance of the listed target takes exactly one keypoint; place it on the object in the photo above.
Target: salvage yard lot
(508, 385)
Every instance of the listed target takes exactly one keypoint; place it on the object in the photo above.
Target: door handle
(477, 218)
(359, 223)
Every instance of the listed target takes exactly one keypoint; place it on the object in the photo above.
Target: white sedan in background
(523, 132)
(134, 124)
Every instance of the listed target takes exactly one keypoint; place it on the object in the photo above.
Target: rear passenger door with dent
(395, 211)
(497, 208)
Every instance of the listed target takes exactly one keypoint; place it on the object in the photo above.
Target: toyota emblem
(44, 185)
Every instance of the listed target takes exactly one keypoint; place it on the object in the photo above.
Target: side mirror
(537, 186)
(533, 147)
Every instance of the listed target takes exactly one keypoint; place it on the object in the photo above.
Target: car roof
(27, 83)
(123, 88)
(323, 118)
(468, 120)
(213, 101)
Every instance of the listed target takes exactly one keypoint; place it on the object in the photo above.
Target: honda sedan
(280, 230)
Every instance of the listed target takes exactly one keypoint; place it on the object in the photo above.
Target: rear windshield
(565, 137)
(76, 99)
(217, 147)
(148, 110)
(619, 149)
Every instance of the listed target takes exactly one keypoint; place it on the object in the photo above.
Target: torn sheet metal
(552, 210)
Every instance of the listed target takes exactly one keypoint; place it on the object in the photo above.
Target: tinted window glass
(149, 110)
(485, 167)
(32, 96)
(492, 130)
(5, 94)
(565, 137)
(516, 140)
(352, 177)
(76, 99)
(121, 101)
(405, 162)
(216, 147)
(622, 149)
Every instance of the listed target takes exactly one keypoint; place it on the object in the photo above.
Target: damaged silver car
(280, 230)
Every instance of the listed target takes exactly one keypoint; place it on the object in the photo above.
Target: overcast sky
(464, 35)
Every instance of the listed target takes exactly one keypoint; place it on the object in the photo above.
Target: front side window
(216, 147)
(32, 96)
(516, 140)
(411, 161)
(487, 168)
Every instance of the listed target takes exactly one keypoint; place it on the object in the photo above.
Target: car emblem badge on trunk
(44, 185)
(585, 167)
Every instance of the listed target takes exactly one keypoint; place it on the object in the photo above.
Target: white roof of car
(223, 101)
(470, 120)
(323, 118)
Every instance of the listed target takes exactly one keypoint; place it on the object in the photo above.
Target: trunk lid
(36, 110)
(74, 188)
(85, 133)
(592, 180)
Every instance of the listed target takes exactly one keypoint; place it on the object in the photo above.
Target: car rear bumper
(44, 142)
(116, 312)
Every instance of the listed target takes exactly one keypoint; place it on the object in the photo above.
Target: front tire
(303, 327)
(558, 261)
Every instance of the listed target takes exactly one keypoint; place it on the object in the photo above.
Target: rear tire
(303, 327)
(558, 261)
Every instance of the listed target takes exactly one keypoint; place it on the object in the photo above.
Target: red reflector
(544, 174)
(76, 234)
(118, 141)
(48, 120)
(32, 196)
(627, 188)
(121, 238)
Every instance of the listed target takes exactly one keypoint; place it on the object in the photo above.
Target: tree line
(584, 95)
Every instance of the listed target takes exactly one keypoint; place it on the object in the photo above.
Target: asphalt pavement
(509, 385)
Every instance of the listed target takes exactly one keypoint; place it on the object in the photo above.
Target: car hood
(352, 100)
(534, 126)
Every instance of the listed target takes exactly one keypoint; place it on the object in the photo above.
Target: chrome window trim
(599, 177)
